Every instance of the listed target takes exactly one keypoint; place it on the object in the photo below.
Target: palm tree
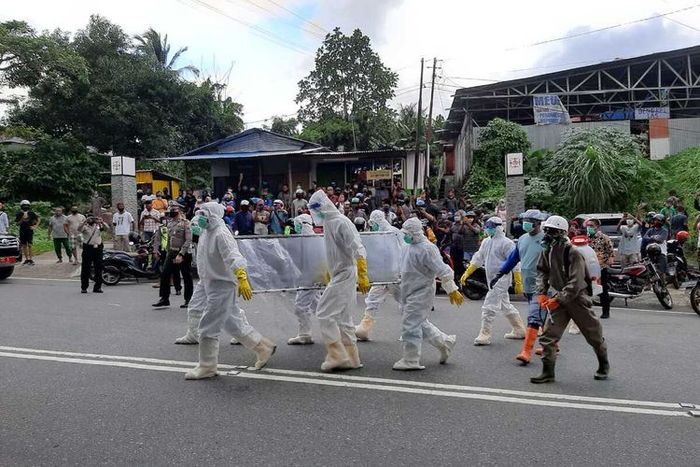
(151, 43)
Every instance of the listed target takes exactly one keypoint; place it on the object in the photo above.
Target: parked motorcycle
(632, 281)
(118, 265)
(694, 296)
(677, 268)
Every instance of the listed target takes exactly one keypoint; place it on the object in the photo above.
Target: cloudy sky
(268, 45)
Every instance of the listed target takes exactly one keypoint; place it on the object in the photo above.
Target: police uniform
(177, 243)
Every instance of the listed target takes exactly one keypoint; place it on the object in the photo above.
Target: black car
(9, 255)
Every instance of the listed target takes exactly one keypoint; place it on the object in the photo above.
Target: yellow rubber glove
(456, 298)
(518, 283)
(362, 277)
(244, 289)
(470, 270)
(326, 278)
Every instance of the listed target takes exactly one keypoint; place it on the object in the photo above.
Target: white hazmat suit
(378, 293)
(334, 312)
(493, 251)
(306, 301)
(420, 265)
(219, 263)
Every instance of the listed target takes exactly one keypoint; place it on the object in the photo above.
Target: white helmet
(556, 222)
(25, 202)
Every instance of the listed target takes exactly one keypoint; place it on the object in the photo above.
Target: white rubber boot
(446, 348)
(406, 365)
(191, 337)
(518, 331)
(264, 350)
(484, 337)
(362, 331)
(337, 358)
(354, 356)
(300, 340)
(208, 358)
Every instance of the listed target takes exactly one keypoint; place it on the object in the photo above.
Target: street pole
(429, 131)
(416, 159)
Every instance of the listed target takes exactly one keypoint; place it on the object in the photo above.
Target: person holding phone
(91, 231)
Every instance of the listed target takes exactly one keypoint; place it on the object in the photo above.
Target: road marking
(664, 312)
(47, 279)
(360, 382)
(462, 395)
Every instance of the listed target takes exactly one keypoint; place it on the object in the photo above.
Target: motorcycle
(694, 294)
(632, 281)
(476, 286)
(118, 265)
(677, 269)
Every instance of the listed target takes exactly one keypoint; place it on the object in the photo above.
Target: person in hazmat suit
(527, 254)
(420, 265)
(492, 252)
(306, 301)
(378, 293)
(222, 272)
(347, 260)
(562, 267)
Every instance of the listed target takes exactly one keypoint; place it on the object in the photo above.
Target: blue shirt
(527, 253)
(243, 222)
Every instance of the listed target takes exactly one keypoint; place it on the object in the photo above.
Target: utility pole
(416, 160)
(429, 130)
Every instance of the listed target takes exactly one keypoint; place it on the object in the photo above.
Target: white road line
(47, 279)
(455, 387)
(179, 366)
(463, 395)
(376, 387)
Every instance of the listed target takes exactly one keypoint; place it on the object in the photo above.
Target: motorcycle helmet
(659, 217)
(654, 251)
(682, 236)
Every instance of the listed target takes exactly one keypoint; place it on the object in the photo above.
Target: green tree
(284, 126)
(153, 45)
(497, 139)
(598, 170)
(57, 169)
(125, 104)
(349, 82)
(28, 59)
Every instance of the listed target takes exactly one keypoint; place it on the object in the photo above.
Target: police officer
(178, 255)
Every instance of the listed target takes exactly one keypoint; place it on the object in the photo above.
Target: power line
(295, 14)
(261, 32)
(683, 24)
(606, 28)
(251, 2)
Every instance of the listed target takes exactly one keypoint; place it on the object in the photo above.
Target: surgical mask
(630, 222)
(528, 226)
(490, 231)
(590, 231)
(200, 221)
(297, 228)
(408, 238)
(259, 208)
(374, 227)
(25, 208)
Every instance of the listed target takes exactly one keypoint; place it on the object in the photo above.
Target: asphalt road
(95, 380)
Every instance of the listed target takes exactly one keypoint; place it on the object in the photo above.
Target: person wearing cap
(493, 251)
(420, 265)
(243, 220)
(278, 217)
(229, 217)
(562, 268)
(299, 203)
(178, 256)
(527, 253)
(27, 220)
